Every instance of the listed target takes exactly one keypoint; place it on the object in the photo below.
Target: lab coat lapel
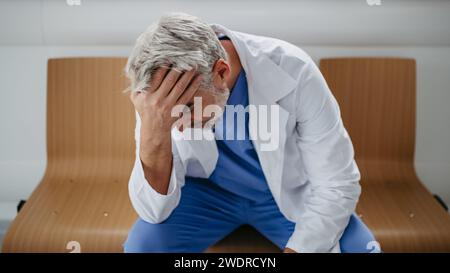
(267, 84)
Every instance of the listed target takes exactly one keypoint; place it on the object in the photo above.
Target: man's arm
(328, 157)
(154, 106)
(155, 153)
(158, 173)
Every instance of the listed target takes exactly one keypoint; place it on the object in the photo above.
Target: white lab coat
(312, 175)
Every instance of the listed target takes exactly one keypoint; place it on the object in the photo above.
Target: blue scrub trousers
(207, 213)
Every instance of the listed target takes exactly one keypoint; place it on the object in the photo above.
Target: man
(299, 190)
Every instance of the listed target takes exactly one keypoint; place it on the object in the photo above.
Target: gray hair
(177, 39)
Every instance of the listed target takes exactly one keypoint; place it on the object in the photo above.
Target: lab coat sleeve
(150, 205)
(328, 156)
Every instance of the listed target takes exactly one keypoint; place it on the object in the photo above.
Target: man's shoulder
(291, 58)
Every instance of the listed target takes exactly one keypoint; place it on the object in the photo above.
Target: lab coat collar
(266, 77)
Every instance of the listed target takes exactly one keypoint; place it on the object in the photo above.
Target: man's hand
(168, 88)
(288, 250)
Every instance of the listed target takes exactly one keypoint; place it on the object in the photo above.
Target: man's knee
(358, 238)
(147, 237)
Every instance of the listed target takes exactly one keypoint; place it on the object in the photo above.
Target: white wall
(46, 29)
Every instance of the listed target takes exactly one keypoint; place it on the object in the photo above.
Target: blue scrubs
(236, 193)
(238, 169)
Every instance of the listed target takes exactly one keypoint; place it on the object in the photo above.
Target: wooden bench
(377, 98)
(90, 152)
(83, 195)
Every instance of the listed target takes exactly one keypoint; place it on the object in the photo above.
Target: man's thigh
(357, 238)
(205, 214)
(268, 220)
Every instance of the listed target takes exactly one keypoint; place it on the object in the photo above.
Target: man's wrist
(154, 140)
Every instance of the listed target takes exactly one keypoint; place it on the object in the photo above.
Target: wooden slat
(377, 97)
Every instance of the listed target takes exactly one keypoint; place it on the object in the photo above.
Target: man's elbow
(152, 215)
(153, 209)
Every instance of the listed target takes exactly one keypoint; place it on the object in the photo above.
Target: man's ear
(221, 72)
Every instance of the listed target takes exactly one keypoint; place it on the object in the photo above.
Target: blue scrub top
(238, 169)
